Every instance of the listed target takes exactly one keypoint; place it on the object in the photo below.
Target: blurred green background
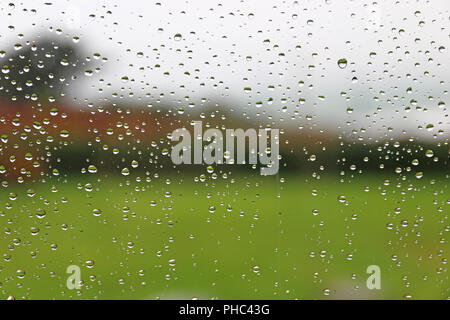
(208, 236)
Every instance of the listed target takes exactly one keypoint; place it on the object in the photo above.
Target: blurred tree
(40, 69)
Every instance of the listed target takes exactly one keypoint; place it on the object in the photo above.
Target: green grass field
(252, 238)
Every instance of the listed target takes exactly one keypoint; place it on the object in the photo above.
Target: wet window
(224, 149)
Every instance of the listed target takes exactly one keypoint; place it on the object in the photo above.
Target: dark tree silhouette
(40, 69)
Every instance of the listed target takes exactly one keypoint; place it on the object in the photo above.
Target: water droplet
(177, 37)
(342, 63)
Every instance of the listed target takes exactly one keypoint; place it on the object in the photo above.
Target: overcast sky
(283, 50)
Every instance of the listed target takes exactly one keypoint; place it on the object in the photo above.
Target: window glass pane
(224, 149)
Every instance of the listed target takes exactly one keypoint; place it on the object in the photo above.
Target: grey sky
(224, 49)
